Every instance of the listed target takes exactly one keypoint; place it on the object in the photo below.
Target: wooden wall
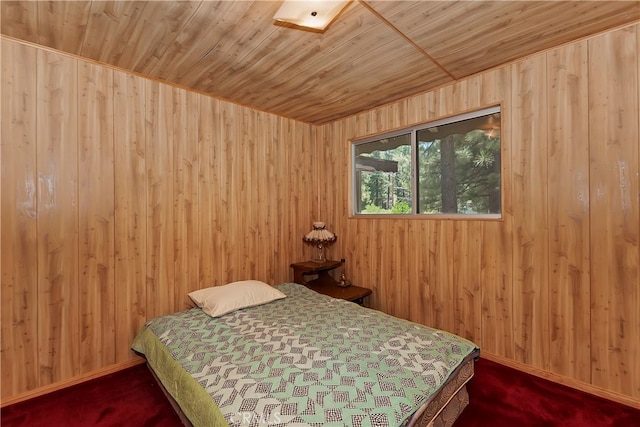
(554, 286)
(119, 195)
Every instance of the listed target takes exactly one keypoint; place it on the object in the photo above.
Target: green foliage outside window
(457, 167)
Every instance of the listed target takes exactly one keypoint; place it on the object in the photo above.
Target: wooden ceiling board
(135, 35)
(20, 20)
(468, 37)
(316, 71)
(258, 67)
(374, 53)
(238, 55)
(61, 23)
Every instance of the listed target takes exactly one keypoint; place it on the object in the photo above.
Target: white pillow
(220, 300)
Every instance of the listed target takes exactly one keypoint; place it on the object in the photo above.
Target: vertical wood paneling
(57, 164)
(392, 267)
(130, 209)
(186, 167)
(467, 240)
(421, 108)
(613, 127)
(422, 270)
(635, 388)
(497, 245)
(557, 257)
(635, 306)
(529, 193)
(268, 226)
(441, 270)
(467, 259)
(209, 194)
(96, 217)
(334, 175)
(246, 177)
(496, 335)
(568, 182)
(219, 193)
(284, 228)
(223, 190)
(229, 159)
(18, 216)
(159, 163)
(302, 209)
(418, 276)
(399, 268)
(145, 192)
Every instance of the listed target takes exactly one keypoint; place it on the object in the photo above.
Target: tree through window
(450, 167)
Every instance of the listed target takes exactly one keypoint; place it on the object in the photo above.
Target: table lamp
(320, 237)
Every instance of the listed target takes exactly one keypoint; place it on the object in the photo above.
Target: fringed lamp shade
(320, 237)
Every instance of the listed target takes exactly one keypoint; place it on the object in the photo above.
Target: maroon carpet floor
(127, 398)
(505, 397)
(500, 397)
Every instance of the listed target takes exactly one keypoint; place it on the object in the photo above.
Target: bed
(306, 359)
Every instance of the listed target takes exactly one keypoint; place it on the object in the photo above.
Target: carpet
(130, 397)
(499, 397)
(504, 397)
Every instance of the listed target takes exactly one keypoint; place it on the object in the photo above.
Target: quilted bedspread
(312, 360)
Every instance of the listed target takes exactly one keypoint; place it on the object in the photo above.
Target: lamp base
(320, 258)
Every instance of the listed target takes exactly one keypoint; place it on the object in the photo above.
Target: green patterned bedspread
(311, 360)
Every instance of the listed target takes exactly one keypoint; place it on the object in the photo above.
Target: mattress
(306, 360)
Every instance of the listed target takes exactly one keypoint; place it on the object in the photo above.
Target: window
(446, 167)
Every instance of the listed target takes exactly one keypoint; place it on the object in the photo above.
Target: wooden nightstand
(316, 276)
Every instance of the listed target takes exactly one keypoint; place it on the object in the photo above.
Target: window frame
(413, 131)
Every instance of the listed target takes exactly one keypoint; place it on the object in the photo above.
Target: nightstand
(316, 276)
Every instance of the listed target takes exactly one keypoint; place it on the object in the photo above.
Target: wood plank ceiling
(376, 52)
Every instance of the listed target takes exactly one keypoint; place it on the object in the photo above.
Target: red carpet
(505, 397)
(500, 397)
(127, 398)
